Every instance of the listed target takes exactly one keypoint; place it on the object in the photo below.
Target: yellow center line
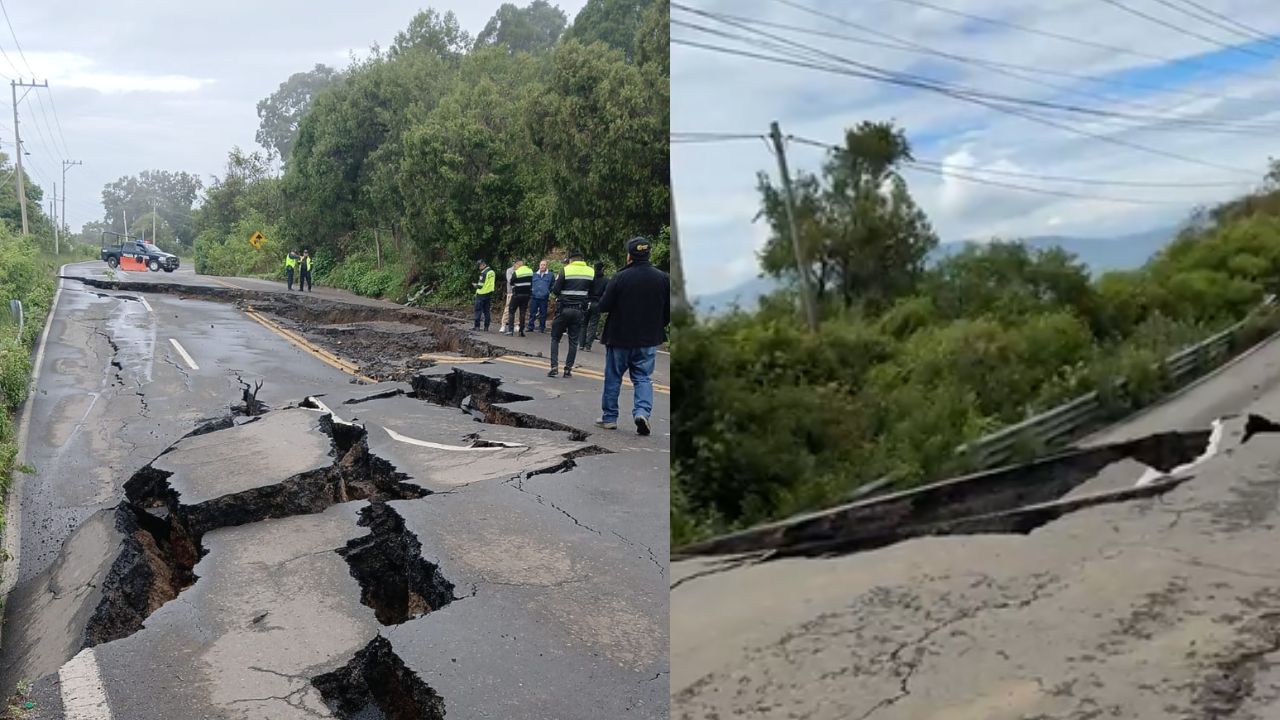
(593, 374)
(307, 346)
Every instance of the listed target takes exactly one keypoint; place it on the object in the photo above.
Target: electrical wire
(1246, 30)
(951, 173)
(1188, 32)
(921, 82)
(903, 45)
(25, 61)
(1081, 41)
(990, 105)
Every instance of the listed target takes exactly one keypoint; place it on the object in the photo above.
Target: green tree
(434, 34)
(603, 135)
(612, 22)
(534, 28)
(173, 194)
(280, 113)
(860, 229)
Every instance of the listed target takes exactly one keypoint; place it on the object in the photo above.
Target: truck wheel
(113, 262)
(153, 265)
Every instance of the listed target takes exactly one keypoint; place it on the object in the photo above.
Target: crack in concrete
(543, 501)
(723, 566)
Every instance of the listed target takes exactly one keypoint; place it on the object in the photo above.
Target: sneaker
(521, 333)
(568, 372)
(554, 373)
(509, 334)
(606, 424)
(642, 425)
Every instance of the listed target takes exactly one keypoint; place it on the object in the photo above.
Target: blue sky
(714, 184)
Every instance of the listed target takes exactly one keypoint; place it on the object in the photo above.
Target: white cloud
(73, 70)
(713, 92)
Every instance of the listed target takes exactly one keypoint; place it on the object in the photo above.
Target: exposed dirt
(394, 578)
(377, 684)
(480, 395)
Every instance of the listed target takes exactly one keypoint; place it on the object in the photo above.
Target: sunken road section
(377, 684)
(386, 342)
(1014, 499)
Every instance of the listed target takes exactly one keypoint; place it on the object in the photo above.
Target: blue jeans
(538, 311)
(639, 362)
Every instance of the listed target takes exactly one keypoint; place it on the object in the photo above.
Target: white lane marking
(146, 304)
(1210, 449)
(178, 346)
(13, 510)
(438, 446)
(325, 409)
(83, 697)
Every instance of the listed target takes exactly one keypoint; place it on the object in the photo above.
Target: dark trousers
(304, 279)
(482, 310)
(521, 303)
(538, 312)
(569, 320)
(589, 322)
(288, 277)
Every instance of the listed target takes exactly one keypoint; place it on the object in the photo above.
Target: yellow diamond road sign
(256, 239)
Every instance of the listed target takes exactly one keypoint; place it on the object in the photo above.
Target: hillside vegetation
(912, 360)
(532, 137)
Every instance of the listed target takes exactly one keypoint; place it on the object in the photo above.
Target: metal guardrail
(1059, 426)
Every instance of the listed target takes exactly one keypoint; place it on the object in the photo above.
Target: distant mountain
(1126, 252)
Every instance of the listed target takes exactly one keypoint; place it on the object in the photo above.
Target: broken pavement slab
(1171, 604)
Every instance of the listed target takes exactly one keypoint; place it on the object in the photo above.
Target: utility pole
(17, 145)
(65, 165)
(775, 133)
(153, 223)
(53, 216)
(677, 270)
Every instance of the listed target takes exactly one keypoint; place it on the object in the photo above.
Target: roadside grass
(28, 276)
(19, 706)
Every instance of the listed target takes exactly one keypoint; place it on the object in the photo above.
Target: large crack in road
(127, 571)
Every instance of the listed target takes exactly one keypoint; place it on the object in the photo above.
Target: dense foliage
(910, 362)
(405, 167)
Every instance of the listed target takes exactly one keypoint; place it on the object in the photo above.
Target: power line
(868, 71)
(15, 40)
(961, 96)
(914, 165)
(901, 45)
(1188, 32)
(1246, 30)
(57, 120)
(1081, 41)
(1202, 15)
(25, 61)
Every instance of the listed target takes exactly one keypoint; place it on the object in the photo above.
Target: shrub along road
(458, 539)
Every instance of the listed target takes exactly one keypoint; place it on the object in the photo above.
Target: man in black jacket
(638, 301)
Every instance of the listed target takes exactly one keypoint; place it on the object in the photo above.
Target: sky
(1168, 74)
(149, 85)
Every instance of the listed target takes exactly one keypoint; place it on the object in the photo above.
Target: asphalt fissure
(377, 684)
(164, 537)
(394, 578)
(481, 396)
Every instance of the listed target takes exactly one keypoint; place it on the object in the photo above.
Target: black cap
(480, 261)
(638, 248)
(574, 254)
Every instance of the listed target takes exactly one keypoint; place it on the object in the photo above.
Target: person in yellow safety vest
(484, 294)
(521, 291)
(572, 290)
(304, 277)
(290, 265)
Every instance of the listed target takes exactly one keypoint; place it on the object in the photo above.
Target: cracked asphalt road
(1167, 607)
(558, 566)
